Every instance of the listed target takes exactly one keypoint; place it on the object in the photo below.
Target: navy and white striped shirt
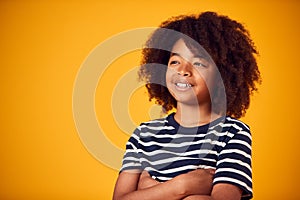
(165, 149)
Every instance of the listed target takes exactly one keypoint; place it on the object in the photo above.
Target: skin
(141, 186)
(185, 67)
(189, 79)
(219, 191)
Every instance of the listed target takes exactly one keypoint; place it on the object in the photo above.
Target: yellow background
(44, 43)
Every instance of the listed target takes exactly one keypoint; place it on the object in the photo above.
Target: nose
(185, 69)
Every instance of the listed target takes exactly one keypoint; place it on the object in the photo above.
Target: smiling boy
(202, 151)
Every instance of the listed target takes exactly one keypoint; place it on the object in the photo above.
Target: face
(189, 76)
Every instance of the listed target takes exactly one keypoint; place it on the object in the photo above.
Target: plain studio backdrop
(45, 43)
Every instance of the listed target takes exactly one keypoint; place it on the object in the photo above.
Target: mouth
(183, 85)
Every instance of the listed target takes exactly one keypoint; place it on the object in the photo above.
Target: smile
(183, 85)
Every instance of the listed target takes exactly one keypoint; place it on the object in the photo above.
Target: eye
(199, 64)
(174, 62)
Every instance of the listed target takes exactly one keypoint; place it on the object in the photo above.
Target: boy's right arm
(127, 188)
(195, 182)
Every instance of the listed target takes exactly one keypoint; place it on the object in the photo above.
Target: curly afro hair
(226, 41)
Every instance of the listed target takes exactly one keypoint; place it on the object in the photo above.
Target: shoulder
(152, 128)
(156, 124)
(235, 130)
(236, 124)
(234, 159)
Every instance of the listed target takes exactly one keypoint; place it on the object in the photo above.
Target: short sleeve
(131, 159)
(234, 162)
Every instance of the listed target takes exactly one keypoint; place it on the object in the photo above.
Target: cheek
(212, 80)
(208, 78)
(168, 76)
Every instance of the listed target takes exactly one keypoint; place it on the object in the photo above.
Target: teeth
(183, 85)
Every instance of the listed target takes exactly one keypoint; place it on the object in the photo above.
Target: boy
(202, 151)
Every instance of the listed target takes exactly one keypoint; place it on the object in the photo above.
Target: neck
(194, 115)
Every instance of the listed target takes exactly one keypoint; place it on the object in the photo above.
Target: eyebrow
(175, 54)
(195, 56)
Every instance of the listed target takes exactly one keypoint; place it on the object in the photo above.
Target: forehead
(188, 50)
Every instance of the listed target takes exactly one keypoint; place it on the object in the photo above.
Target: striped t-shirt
(165, 149)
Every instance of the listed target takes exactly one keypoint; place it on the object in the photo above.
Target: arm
(233, 176)
(190, 181)
(146, 181)
(129, 187)
(221, 191)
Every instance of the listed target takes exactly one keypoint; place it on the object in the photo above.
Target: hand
(146, 181)
(196, 182)
(197, 197)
